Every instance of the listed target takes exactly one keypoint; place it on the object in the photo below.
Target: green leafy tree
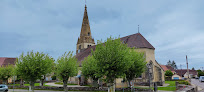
(89, 69)
(66, 67)
(168, 74)
(112, 60)
(49, 66)
(32, 66)
(137, 67)
(6, 72)
(200, 73)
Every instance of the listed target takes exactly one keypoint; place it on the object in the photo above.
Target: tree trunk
(21, 82)
(111, 87)
(31, 87)
(129, 85)
(42, 81)
(65, 85)
(95, 83)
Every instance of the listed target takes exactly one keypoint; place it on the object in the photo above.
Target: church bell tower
(85, 40)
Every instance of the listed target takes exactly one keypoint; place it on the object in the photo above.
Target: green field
(170, 87)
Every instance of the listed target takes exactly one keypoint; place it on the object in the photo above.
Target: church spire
(85, 29)
(85, 40)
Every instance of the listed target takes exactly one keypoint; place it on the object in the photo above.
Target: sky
(174, 27)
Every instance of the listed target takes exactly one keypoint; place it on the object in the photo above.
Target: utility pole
(187, 66)
(180, 66)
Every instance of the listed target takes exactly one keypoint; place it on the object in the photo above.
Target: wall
(150, 56)
(84, 45)
(175, 75)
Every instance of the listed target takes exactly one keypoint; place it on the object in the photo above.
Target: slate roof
(181, 72)
(5, 61)
(135, 40)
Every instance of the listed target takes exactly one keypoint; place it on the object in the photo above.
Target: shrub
(53, 77)
(184, 82)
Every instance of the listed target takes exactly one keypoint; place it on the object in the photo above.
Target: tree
(173, 65)
(200, 73)
(32, 66)
(168, 74)
(112, 60)
(6, 72)
(49, 66)
(137, 67)
(89, 69)
(193, 68)
(169, 63)
(66, 67)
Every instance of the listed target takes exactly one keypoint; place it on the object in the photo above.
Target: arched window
(88, 33)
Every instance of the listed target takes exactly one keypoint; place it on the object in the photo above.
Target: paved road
(197, 83)
(58, 85)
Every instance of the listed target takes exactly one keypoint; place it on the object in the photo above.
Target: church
(85, 43)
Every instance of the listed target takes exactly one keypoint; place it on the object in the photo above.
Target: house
(167, 67)
(85, 43)
(176, 77)
(184, 73)
(4, 61)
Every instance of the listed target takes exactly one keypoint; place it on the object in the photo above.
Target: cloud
(174, 28)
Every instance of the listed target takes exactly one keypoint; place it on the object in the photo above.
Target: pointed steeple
(85, 40)
(85, 28)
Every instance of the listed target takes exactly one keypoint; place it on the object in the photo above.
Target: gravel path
(58, 85)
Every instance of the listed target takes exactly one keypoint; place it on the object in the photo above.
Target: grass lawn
(170, 87)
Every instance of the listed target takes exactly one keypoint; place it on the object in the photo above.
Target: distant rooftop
(6, 61)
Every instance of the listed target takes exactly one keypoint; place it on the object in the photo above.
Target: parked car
(201, 79)
(3, 88)
(196, 77)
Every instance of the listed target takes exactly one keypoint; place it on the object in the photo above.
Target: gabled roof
(167, 67)
(181, 72)
(135, 40)
(85, 53)
(6, 61)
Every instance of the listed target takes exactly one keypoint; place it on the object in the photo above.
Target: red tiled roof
(135, 40)
(6, 61)
(167, 67)
(164, 67)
